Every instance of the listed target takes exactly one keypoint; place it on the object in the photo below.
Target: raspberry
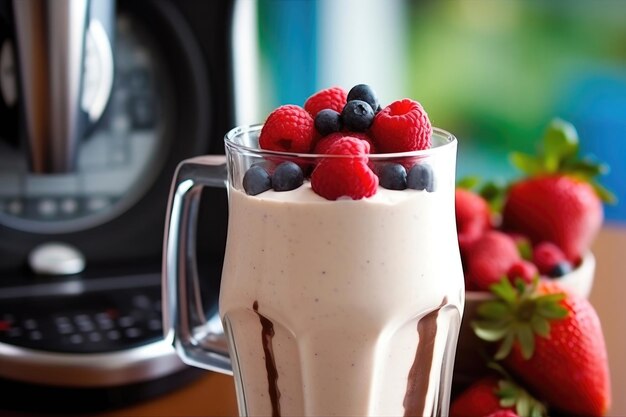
(333, 98)
(324, 144)
(401, 127)
(473, 217)
(546, 255)
(524, 270)
(489, 259)
(349, 176)
(289, 128)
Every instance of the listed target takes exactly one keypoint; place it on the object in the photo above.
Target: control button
(47, 207)
(30, 324)
(69, 206)
(85, 326)
(105, 323)
(155, 324)
(15, 207)
(76, 339)
(113, 335)
(14, 332)
(35, 335)
(95, 337)
(65, 328)
(5, 325)
(97, 203)
(126, 321)
(133, 332)
(56, 258)
(141, 301)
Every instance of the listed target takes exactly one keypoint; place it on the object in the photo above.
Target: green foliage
(558, 154)
(519, 314)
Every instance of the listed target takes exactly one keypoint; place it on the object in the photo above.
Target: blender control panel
(91, 323)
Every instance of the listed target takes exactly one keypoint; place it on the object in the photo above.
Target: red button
(4, 325)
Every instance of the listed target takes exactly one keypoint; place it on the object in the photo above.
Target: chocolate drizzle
(417, 384)
(267, 333)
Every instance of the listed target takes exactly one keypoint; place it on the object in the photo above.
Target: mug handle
(198, 342)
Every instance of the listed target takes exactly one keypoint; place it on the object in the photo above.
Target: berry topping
(345, 177)
(524, 270)
(289, 128)
(324, 144)
(333, 98)
(473, 217)
(364, 93)
(357, 116)
(401, 127)
(546, 255)
(287, 176)
(490, 258)
(392, 176)
(256, 180)
(420, 177)
(327, 121)
(560, 269)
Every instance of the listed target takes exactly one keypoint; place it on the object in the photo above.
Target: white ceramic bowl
(469, 362)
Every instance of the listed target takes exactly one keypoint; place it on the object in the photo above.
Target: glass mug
(347, 307)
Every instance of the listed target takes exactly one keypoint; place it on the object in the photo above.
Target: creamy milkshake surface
(346, 307)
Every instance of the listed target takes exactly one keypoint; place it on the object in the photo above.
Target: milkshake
(342, 307)
(342, 288)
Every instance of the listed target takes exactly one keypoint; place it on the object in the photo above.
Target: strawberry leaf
(504, 290)
(488, 331)
(528, 164)
(560, 142)
(541, 326)
(512, 395)
(552, 311)
(604, 194)
(469, 182)
(526, 340)
(505, 347)
(493, 309)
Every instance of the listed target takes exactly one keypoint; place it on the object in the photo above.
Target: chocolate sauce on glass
(267, 333)
(417, 384)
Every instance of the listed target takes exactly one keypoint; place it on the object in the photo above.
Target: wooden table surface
(213, 394)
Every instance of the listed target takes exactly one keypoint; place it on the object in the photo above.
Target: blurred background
(494, 73)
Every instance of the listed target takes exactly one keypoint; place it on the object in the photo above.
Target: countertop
(214, 395)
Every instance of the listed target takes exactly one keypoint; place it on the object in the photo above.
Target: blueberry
(365, 93)
(420, 177)
(256, 180)
(392, 176)
(560, 269)
(327, 121)
(357, 116)
(287, 176)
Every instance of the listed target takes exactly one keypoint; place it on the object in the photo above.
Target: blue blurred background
(492, 72)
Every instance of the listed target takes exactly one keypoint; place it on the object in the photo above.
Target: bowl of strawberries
(528, 331)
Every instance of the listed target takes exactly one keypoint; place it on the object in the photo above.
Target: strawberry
(490, 258)
(473, 216)
(493, 394)
(504, 413)
(524, 270)
(558, 200)
(552, 341)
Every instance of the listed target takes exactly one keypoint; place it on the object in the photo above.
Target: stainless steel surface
(119, 157)
(50, 41)
(143, 363)
(186, 327)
